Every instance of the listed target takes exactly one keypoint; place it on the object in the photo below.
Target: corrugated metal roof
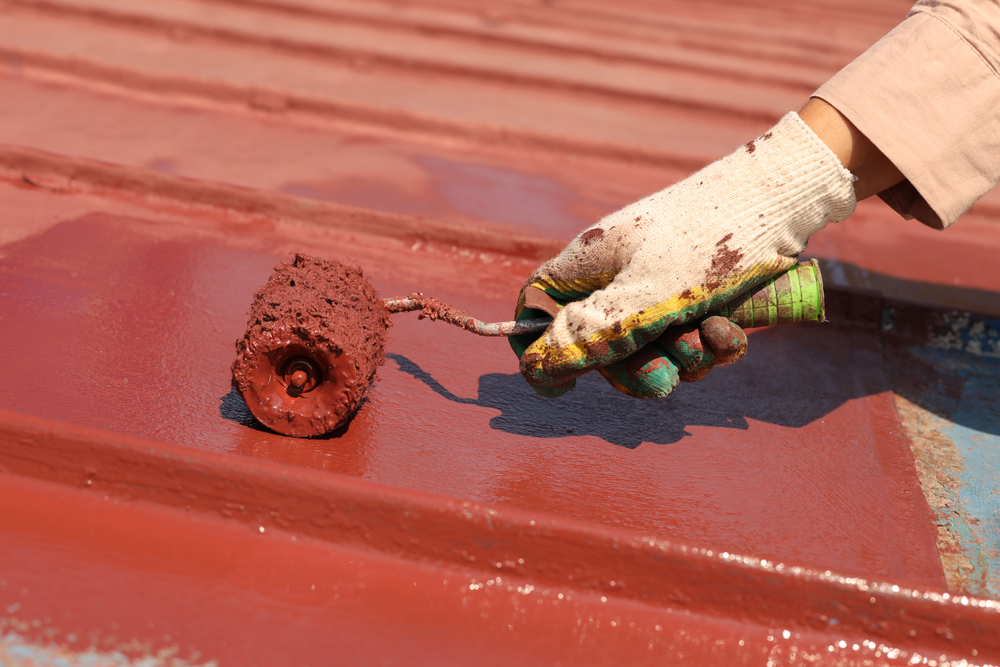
(834, 490)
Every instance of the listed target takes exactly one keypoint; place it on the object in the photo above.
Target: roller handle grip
(794, 296)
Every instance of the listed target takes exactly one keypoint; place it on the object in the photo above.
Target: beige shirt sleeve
(928, 95)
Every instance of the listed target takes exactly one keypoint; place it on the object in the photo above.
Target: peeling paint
(954, 430)
(938, 467)
(963, 331)
(17, 651)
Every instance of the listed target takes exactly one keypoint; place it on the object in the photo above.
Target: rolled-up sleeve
(928, 96)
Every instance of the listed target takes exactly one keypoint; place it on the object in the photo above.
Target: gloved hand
(686, 352)
(674, 256)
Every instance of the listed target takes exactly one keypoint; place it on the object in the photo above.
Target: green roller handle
(794, 296)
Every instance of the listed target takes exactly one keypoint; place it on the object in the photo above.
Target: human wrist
(873, 170)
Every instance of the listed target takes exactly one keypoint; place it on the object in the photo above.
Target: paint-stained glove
(670, 258)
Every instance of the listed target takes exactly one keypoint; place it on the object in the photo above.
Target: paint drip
(314, 341)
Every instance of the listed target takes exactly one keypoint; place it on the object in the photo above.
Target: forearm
(927, 95)
(874, 171)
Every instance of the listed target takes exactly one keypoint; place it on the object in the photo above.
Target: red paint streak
(27, 167)
(368, 167)
(476, 186)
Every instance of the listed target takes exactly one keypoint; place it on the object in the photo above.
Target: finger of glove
(727, 341)
(559, 281)
(587, 263)
(686, 345)
(649, 373)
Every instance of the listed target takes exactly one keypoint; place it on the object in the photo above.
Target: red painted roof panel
(157, 161)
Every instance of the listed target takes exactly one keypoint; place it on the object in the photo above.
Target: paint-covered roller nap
(315, 338)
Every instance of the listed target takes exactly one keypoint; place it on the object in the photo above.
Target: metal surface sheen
(828, 500)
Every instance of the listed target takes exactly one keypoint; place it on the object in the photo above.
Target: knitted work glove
(674, 256)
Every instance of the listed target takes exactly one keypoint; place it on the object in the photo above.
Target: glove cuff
(804, 182)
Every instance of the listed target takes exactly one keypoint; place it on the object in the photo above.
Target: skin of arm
(856, 153)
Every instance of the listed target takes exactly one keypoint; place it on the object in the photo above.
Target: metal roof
(829, 499)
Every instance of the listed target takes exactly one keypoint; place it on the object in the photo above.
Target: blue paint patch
(16, 651)
(974, 429)
(967, 332)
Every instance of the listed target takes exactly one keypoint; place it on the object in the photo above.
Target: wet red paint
(959, 257)
(95, 569)
(740, 459)
(122, 291)
(483, 553)
(372, 167)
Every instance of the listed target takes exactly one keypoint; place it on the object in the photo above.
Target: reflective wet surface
(794, 453)
(828, 500)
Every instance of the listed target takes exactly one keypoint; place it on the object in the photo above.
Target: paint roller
(317, 334)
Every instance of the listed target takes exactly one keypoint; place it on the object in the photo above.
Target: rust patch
(751, 147)
(938, 466)
(724, 239)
